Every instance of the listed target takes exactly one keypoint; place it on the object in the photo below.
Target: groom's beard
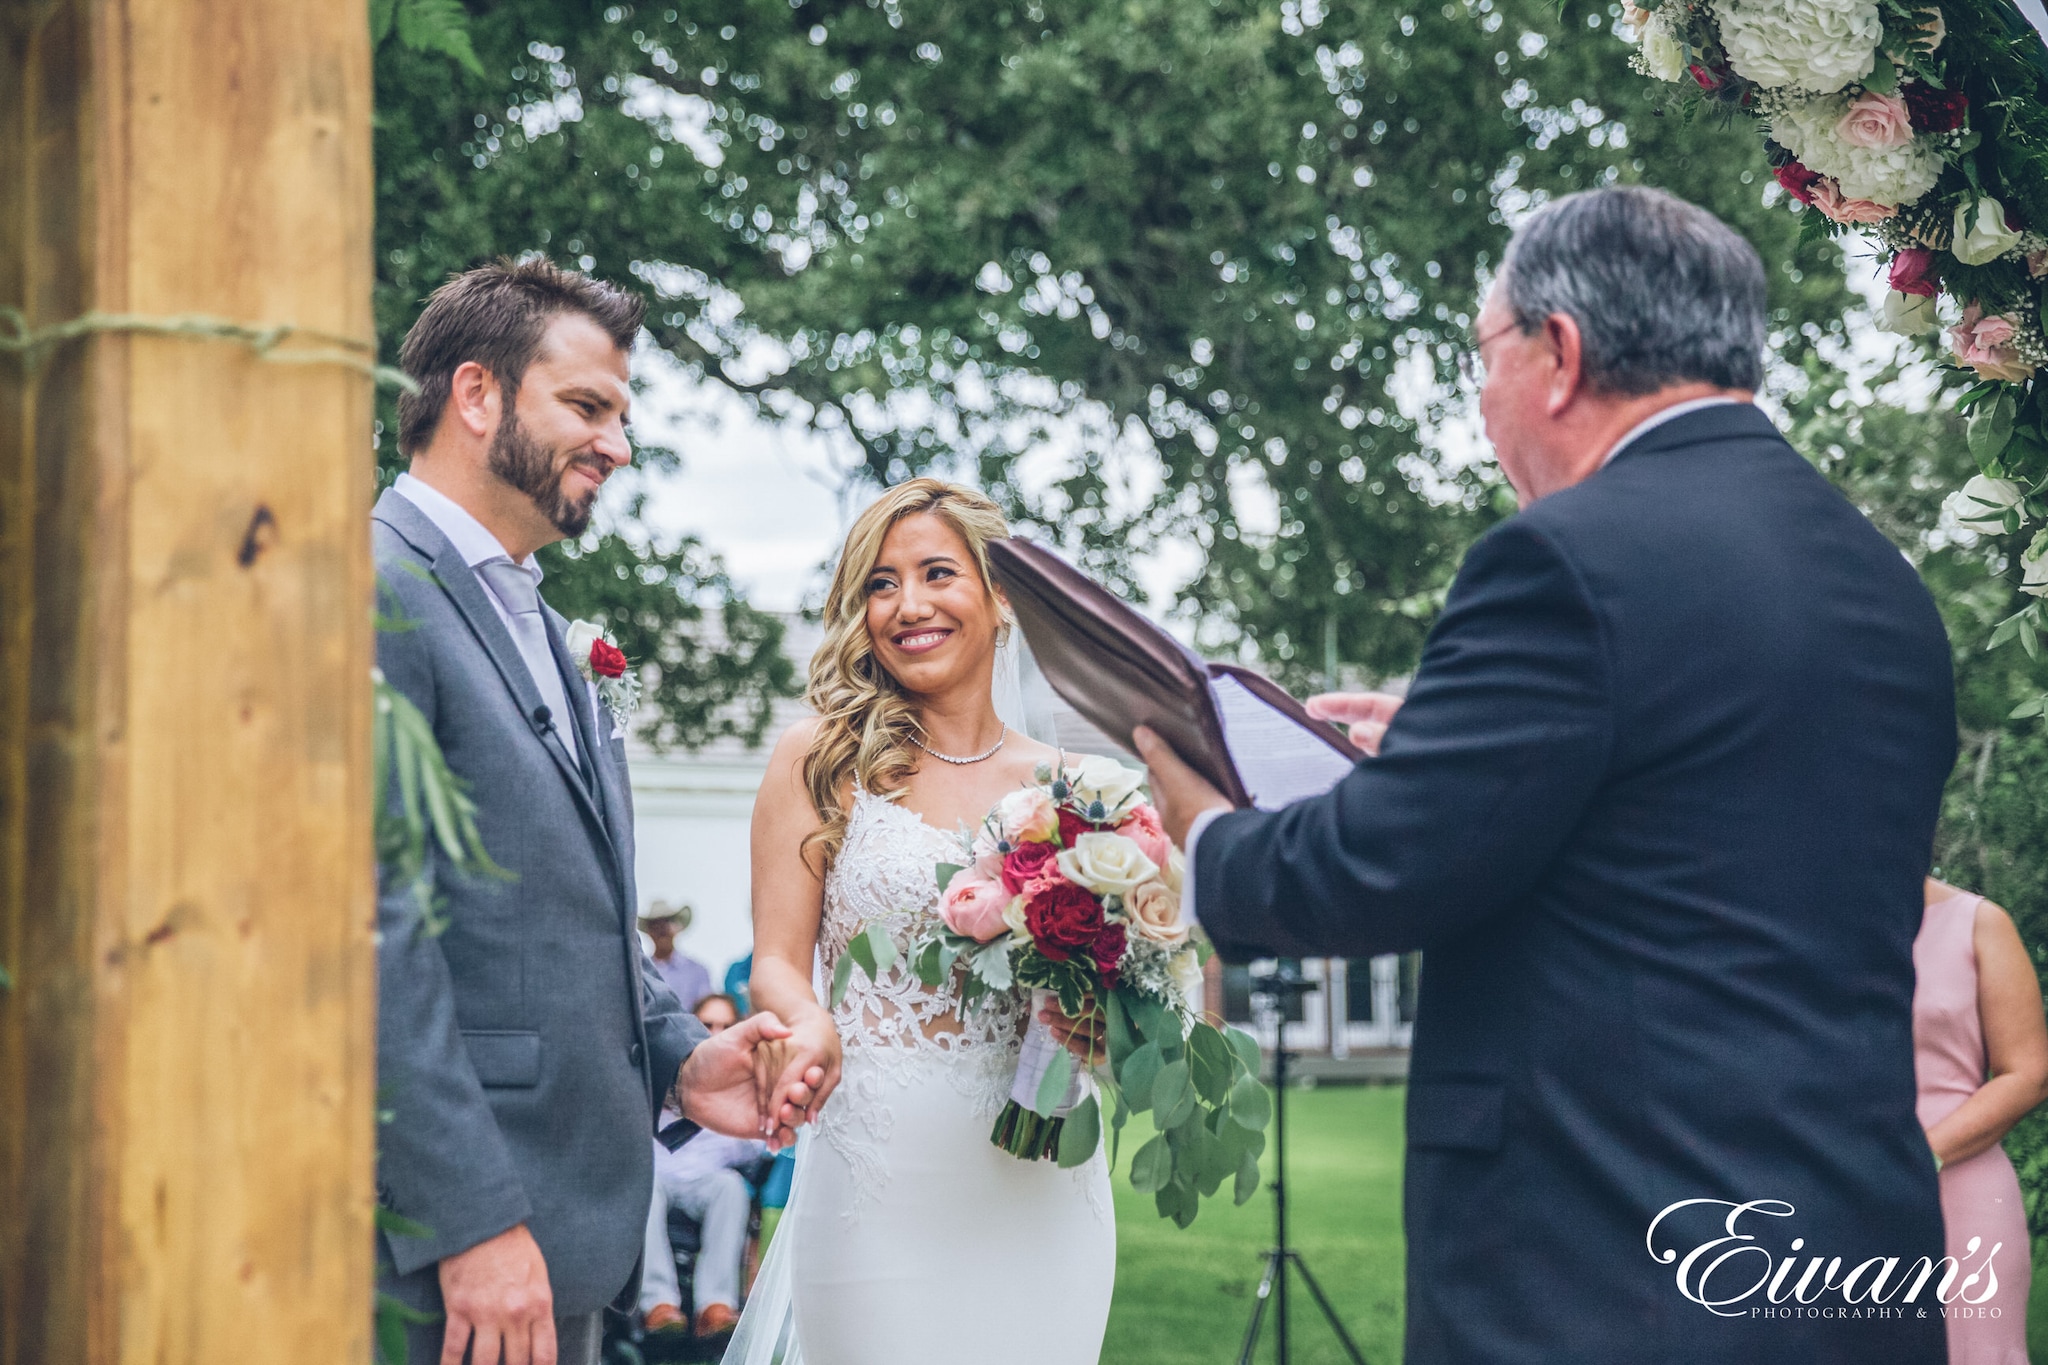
(530, 467)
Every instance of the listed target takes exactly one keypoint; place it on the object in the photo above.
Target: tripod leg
(1350, 1347)
(1274, 1263)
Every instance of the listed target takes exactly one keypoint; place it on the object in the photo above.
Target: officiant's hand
(718, 1088)
(1366, 714)
(1179, 793)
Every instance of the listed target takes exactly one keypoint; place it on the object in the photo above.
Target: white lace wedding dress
(909, 1237)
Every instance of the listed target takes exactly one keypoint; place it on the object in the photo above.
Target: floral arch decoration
(1924, 123)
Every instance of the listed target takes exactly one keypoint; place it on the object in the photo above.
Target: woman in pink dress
(1977, 1015)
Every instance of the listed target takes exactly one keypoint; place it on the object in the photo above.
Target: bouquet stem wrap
(1022, 1129)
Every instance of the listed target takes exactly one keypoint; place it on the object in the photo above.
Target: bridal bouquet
(1071, 887)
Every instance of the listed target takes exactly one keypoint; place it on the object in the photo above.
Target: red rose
(1935, 111)
(1108, 952)
(606, 660)
(1797, 180)
(1026, 863)
(1063, 918)
(1913, 272)
(1707, 79)
(1072, 827)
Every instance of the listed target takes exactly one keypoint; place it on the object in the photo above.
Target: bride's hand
(1084, 1037)
(797, 1074)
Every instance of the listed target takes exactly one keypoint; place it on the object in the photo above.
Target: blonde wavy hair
(865, 720)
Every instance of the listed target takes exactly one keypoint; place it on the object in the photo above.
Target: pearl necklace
(951, 758)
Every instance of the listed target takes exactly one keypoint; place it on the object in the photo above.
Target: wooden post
(186, 1054)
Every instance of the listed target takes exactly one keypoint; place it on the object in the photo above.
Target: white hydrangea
(1815, 45)
(1883, 175)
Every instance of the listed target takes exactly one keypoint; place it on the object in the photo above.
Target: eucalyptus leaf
(1209, 1161)
(946, 873)
(1250, 1105)
(1081, 1134)
(1052, 1086)
(1138, 1074)
(1123, 1039)
(1247, 1179)
(1212, 1062)
(881, 948)
(861, 950)
(842, 977)
(1152, 1166)
(1246, 1047)
(1173, 1094)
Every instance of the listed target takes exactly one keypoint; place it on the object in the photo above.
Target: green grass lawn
(1185, 1297)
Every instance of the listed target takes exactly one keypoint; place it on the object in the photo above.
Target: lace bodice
(897, 1029)
(886, 873)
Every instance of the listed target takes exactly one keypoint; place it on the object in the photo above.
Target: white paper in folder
(1279, 762)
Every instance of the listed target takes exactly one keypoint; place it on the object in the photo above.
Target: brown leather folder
(1121, 670)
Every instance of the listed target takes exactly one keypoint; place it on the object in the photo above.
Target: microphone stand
(1270, 994)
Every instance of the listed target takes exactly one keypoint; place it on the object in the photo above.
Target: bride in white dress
(909, 1236)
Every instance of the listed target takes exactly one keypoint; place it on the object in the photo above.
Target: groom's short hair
(1662, 290)
(496, 315)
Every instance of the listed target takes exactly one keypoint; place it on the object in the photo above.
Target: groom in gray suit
(523, 1051)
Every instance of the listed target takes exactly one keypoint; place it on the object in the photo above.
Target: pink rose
(1877, 122)
(1026, 863)
(974, 906)
(1027, 816)
(1827, 197)
(1980, 343)
(1912, 272)
(1142, 828)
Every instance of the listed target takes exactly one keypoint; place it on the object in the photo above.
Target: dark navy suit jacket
(1657, 809)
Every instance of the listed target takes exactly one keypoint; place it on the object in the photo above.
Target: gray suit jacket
(521, 1053)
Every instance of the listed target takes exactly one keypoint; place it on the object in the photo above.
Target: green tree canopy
(1219, 229)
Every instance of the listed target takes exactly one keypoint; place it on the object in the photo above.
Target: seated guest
(683, 974)
(702, 1178)
(1977, 1014)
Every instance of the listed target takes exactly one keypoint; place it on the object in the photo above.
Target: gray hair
(1662, 290)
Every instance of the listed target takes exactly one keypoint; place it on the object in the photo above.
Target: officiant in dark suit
(1657, 807)
(523, 1046)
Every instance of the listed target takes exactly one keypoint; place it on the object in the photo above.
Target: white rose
(1154, 909)
(1105, 780)
(1981, 234)
(1909, 315)
(1981, 504)
(1107, 864)
(2035, 563)
(1187, 977)
(1013, 916)
(1663, 55)
(1175, 873)
(581, 636)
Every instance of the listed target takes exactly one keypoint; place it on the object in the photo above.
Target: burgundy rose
(1797, 180)
(1935, 111)
(1108, 952)
(1026, 862)
(1072, 827)
(606, 659)
(1063, 918)
(1913, 272)
(1708, 80)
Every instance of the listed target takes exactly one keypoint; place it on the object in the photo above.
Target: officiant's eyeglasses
(1471, 364)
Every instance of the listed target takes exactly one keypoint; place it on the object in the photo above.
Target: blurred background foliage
(1225, 250)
